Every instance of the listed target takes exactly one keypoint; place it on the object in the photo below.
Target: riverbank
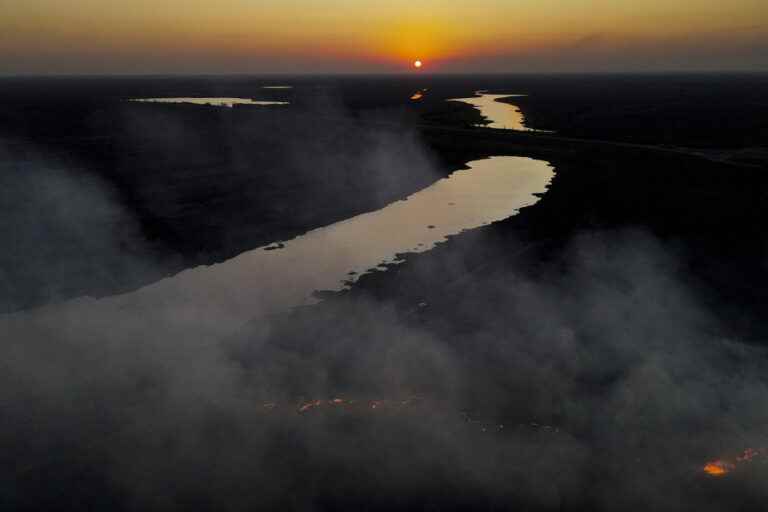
(594, 352)
(708, 211)
(198, 185)
(169, 187)
(625, 309)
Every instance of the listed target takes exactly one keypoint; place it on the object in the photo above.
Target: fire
(722, 467)
(718, 468)
(376, 407)
(305, 406)
(749, 454)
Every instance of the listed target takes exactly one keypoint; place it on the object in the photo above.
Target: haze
(247, 36)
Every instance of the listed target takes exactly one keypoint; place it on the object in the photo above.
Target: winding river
(500, 115)
(211, 302)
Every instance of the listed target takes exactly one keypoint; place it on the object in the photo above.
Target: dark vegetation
(192, 185)
(701, 111)
(204, 184)
(625, 308)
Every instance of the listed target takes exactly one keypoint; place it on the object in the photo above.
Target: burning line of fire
(714, 468)
(336, 403)
(304, 407)
(722, 467)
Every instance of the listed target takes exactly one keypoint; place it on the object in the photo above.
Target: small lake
(210, 302)
(213, 102)
(502, 116)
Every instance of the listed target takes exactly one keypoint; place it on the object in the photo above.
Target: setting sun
(417, 64)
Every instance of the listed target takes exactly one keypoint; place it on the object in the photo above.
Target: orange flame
(418, 94)
(722, 467)
(718, 468)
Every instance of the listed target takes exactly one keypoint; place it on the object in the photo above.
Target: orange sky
(143, 36)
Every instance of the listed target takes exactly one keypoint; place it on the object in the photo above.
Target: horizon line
(381, 73)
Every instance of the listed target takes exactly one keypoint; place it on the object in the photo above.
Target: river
(210, 302)
(499, 115)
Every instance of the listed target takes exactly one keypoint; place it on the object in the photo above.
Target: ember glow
(418, 94)
(722, 467)
(305, 406)
(718, 468)
(375, 407)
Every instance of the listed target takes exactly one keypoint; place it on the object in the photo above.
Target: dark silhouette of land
(626, 308)
(205, 184)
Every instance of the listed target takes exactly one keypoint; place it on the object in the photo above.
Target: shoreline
(625, 308)
(452, 148)
(650, 203)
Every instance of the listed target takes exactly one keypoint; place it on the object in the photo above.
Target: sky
(311, 36)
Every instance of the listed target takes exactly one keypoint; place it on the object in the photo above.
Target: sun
(417, 64)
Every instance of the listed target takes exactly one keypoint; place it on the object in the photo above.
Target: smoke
(593, 378)
(62, 227)
(608, 344)
(605, 344)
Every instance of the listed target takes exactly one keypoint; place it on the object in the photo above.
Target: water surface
(210, 302)
(503, 116)
(214, 102)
